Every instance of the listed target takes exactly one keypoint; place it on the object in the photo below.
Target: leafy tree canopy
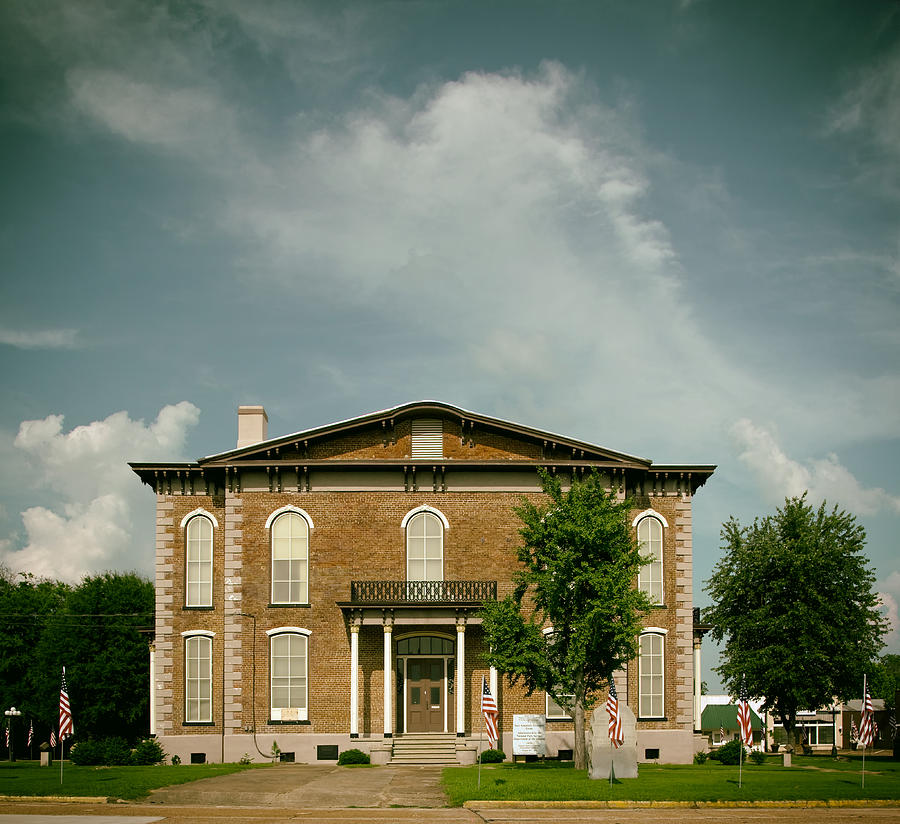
(99, 630)
(579, 560)
(793, 601)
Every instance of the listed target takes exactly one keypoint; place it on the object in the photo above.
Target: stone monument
(604, 756)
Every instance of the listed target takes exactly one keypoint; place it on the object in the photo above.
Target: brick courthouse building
(322, 590)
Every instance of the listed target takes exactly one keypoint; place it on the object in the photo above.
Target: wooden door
(425, 694)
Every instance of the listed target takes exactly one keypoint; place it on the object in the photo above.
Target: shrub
(353, 757)
(730, 753)
(246, 759)
(87, 753)
(492, 756)
(118, 753)
(758, 757)
(147, 752)
(175, 760)
(700, 757)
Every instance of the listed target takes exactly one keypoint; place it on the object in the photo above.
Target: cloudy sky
(668, 228)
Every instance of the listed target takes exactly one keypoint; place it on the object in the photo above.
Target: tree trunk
(580, 753)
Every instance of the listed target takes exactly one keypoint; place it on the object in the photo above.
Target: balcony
(444, 593)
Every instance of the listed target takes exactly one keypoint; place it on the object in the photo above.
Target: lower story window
(289, 667)
(651, 680)
(564, 708)
(198, 679)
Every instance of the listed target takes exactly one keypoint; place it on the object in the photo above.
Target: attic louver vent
(427, 438)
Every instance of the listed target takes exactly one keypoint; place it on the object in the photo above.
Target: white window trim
(650, 513)
(199, 511)
(645, 515)
(295, 509)
(659, 633)
(275, 712)
(424, 508)
(420, 511)
(284, 510)
(292, 630)
(185, 523)
(188, 635)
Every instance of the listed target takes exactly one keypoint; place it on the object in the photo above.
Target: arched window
(289, 668)
(198, 677)
(651, 675)
(424, 547)
(290, 558)
(198, 562)
(650, 537)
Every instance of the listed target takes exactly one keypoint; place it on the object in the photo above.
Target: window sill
(651, 718)
(289, 606)
(289, 723)
(559, 719)
(198, 723)
(209, 608)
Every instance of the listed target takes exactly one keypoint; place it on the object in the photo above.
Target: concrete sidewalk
(311, 787)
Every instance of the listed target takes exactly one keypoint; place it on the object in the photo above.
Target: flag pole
(480, 750)
(741, 762)
(864, 741)
(61, 754)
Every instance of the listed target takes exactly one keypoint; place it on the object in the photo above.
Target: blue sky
(668, 228)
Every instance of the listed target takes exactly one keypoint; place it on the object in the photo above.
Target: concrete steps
(424, 748)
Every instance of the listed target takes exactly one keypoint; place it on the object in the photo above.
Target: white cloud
(39, 339)
(889, 594)
(780, 476)
(103, 518)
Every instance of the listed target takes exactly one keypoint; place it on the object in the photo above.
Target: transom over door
(425, 694)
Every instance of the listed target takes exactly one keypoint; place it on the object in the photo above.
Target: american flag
(616, 737)
(489, 709)
(7, 735)
(743, 715)
(867, 722)
(52, 739)
(854, 732)
(66, 727)
(30, 733)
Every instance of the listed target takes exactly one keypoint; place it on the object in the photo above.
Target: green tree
(793, 600)
(579, 560)
(102, 637)
(26, 604)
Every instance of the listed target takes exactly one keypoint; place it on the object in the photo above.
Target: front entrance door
(425, 694)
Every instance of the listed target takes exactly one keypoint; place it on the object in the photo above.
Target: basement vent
(427, 438)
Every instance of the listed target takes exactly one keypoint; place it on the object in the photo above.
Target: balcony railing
(422, 592)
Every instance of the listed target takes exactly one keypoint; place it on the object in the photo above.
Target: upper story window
(650, 537)
(289, 667)
(290, 555)
(427, 438)
(651, 675)
(198, 677)
(198, 540)
(425, 544)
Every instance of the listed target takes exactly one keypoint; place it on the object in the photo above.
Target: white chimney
(253, 425)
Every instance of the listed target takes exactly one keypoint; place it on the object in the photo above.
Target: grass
(812, 778)
(28, 778)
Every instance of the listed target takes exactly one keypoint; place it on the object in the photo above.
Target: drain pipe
(253, 686)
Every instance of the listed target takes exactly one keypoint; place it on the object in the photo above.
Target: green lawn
(828, 781)
(29, 778)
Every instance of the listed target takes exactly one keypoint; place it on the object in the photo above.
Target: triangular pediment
(425, 430)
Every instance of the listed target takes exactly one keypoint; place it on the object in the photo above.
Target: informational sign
(530, 735)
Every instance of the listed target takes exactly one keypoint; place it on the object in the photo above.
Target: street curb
(685, 805)
(87, 799)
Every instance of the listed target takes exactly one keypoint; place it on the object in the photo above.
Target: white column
(460, 680)
(492, 683)
(152, 689)
(697, 683)
(354, 681)
(388, 715)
